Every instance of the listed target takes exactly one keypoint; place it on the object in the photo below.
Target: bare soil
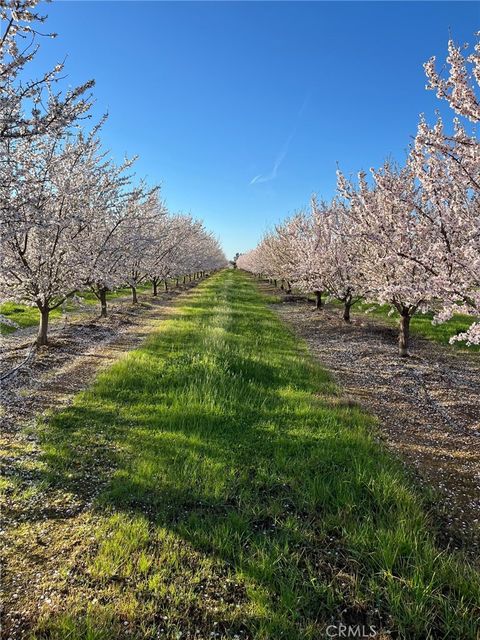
(427, 405)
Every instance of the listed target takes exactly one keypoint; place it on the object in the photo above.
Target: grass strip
(247, 498)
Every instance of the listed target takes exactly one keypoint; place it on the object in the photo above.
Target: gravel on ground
(428, 405)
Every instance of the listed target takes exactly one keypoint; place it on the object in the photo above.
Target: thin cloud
(283, 153)
(276, 165)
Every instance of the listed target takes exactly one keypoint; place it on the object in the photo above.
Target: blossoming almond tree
(303, 253)
(338, 253)
(144, 214)
(448, 169)
(115, 205)
(200, 251)
(316, 251)
(210, 255)
(69, 218)
(46, 195)
(277, 257)
(387, 233)
(29, 107)
(214, 257)
(458, 88)
(449, 218)
(289, 253)
(409, 238)
(249, 261)
(173, 238)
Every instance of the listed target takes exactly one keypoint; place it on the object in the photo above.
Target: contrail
(283, 153)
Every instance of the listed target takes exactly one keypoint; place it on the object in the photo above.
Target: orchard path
(77, 352)
(213, 482)
(428, 405)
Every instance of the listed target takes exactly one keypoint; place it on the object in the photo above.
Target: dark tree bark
(404, 334)
(154, 286)
(318, 299)
(42, 336)
(348, 303)
(346, 310)
(176, 282)
(102, 294)
(166, 285)
(134, 294)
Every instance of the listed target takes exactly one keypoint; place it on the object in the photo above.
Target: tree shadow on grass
(212, 433)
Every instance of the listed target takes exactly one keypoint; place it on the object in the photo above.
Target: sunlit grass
(247, 499)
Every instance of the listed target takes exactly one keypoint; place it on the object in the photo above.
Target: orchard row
(406, 236)
(71, 218)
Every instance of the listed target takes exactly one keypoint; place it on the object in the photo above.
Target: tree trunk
(176, 282)
(184, 280)
(103, 302)
(43, 327)
(318, 299)
(346, 310)
(134, 294)
(404, 335)
(275, 283)
(155, 286)
(166, 285)
(289, 287)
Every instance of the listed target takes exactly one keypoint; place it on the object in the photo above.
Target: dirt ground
(428, 405)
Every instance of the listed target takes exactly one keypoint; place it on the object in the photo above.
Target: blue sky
(242, 110)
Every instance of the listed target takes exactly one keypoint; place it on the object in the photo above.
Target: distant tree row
(406, 236)
(71, 218)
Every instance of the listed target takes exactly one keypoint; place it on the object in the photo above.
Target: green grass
(21, 314)
(421, 324)
(26, 316)
(238, 494)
